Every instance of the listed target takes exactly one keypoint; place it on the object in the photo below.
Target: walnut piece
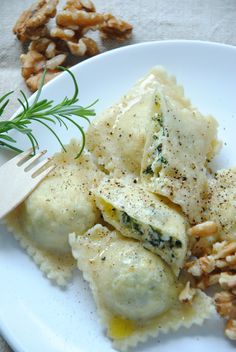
(230, 329)
(113, 28)
(201, 246)
(49, 49)
(208, 280)
(85, 46)
(223, 256)
(202, 237)
(40, 45)
(32, 63)
(204, 229)
(34, 34)
(31, 23)
(76, 19)
(231, 259)
(187, 294)
(227, 281)
(203, 265)
(215, 263)
(63, 33)
(224, 249)
(225, 302)
(85, 5)
(55, 61)
(34, 81)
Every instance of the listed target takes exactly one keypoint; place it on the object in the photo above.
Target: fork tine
(33, 159)
(21, 157)
(44, 173)
(24, 181)
(39, 166)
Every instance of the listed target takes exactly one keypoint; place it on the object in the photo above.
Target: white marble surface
(210, 20)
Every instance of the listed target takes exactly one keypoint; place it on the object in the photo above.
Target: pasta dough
(135, 292)
(180, 142)
(117, 137)
(144, 216)
(133, 282)
(57, 268)
(61, 203)
(169, 87)
(222, 203)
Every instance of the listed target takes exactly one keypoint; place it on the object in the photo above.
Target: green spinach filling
(131, 223)
(152, 236)
(158, 159)
(148, 170)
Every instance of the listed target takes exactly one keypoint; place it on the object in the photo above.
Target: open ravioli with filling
(221, 207)
(139, 214)
(62, 203)
(180, 142)
(135, 291)
(117, 137)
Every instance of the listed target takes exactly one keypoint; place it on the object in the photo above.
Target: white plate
(36, 315)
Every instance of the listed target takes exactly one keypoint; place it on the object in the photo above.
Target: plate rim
(5, 332)
(127, 47)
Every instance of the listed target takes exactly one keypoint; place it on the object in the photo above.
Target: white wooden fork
(19, 177)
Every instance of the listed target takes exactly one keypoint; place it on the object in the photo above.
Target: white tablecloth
(211, 20)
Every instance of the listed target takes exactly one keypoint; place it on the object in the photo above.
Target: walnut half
(31, 23)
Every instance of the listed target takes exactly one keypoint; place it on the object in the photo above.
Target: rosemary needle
(46, 113)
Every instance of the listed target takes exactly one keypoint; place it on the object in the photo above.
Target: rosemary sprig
(45, 113)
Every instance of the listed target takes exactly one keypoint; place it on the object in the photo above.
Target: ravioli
(169, 87)
(139, 214)
(62, 203)
(221, 206)
(117, 137)
(135, 291)
(180, 142)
